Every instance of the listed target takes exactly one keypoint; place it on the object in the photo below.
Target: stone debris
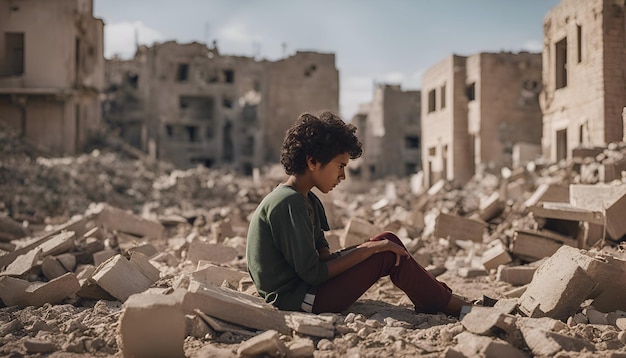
(146, 260)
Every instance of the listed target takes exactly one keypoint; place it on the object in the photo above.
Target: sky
(374, 41)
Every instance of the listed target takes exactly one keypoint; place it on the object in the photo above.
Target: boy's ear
(310, 162)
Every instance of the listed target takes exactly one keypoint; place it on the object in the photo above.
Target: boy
(288, 257)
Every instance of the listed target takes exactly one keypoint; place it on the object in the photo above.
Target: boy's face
(325, 178)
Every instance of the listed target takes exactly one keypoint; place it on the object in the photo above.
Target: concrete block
(491, 207)
(101, 256)
(300, 348)
(153, 326)
(357, 231)
(117, 219)
(558, 288)
(235, 307)
(516, 275)
(481, 320)
(267, 343)
(216, 275)
(532, 245)
(78, 224)
(550, 193)
(52, 268)
(459, 228)
(145, 248)
(23, 263)
(545, 343)
(222, 230)
(218, 253)
(595, 316)
(608, 271)
(17, 292)
(607, 199)
(121, 278)
(471, 272)
(516, 292)
(143, 264)
(472, 345)
(312, 325)
(495, 256)
(58, 244)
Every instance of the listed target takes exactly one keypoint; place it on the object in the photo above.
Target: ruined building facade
(584, 75)
(51, 71)
(475, 110)
(188, 104)
(389, 128)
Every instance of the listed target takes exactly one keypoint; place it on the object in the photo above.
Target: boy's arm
(356, 255)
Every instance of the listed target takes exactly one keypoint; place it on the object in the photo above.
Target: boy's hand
(386, 245)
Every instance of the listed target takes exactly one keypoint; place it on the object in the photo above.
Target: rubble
(144, 259)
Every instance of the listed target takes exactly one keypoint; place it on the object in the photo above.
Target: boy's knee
(387, 235)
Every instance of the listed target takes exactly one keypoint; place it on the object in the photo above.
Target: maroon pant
(427, 294)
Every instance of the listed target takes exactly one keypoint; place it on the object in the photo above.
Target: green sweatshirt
(283, 237)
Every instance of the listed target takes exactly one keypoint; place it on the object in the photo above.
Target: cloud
(119, 38)
(355, 90)
(533, 46)
(237, 38)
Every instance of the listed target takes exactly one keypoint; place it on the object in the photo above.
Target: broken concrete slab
(482, 320)
(208, 273)
(550, 193)
(121, 278)
(607, 199)
(78, 224)
(495, 256)
(23, 263)
(267, 343)
(235, 307)
(516, 275)
(491, 207)
(532, 245)
(546, 343)
(153, 325)
(472, 345)
(18, 292)
(117, 219)
(143, 264)
(561, 281)
(358, 231)
(218, 253)
(457, 227)
(58, 244)
(52, 267)
(556, 292)
(313, 325)
(101, 256)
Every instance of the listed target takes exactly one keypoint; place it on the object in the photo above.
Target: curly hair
(321, 138)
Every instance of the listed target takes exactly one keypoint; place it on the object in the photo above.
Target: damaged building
(477, 111)
(389, 127)
(584, 85)
(51, 72)
(188, 104)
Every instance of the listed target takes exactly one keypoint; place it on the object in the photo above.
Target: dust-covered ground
(43, 193)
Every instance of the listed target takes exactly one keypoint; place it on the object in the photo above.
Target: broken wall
(304, 82)
(51, 77)
(506, 106)
(584, 91)
(390, 133)
(445, 138)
